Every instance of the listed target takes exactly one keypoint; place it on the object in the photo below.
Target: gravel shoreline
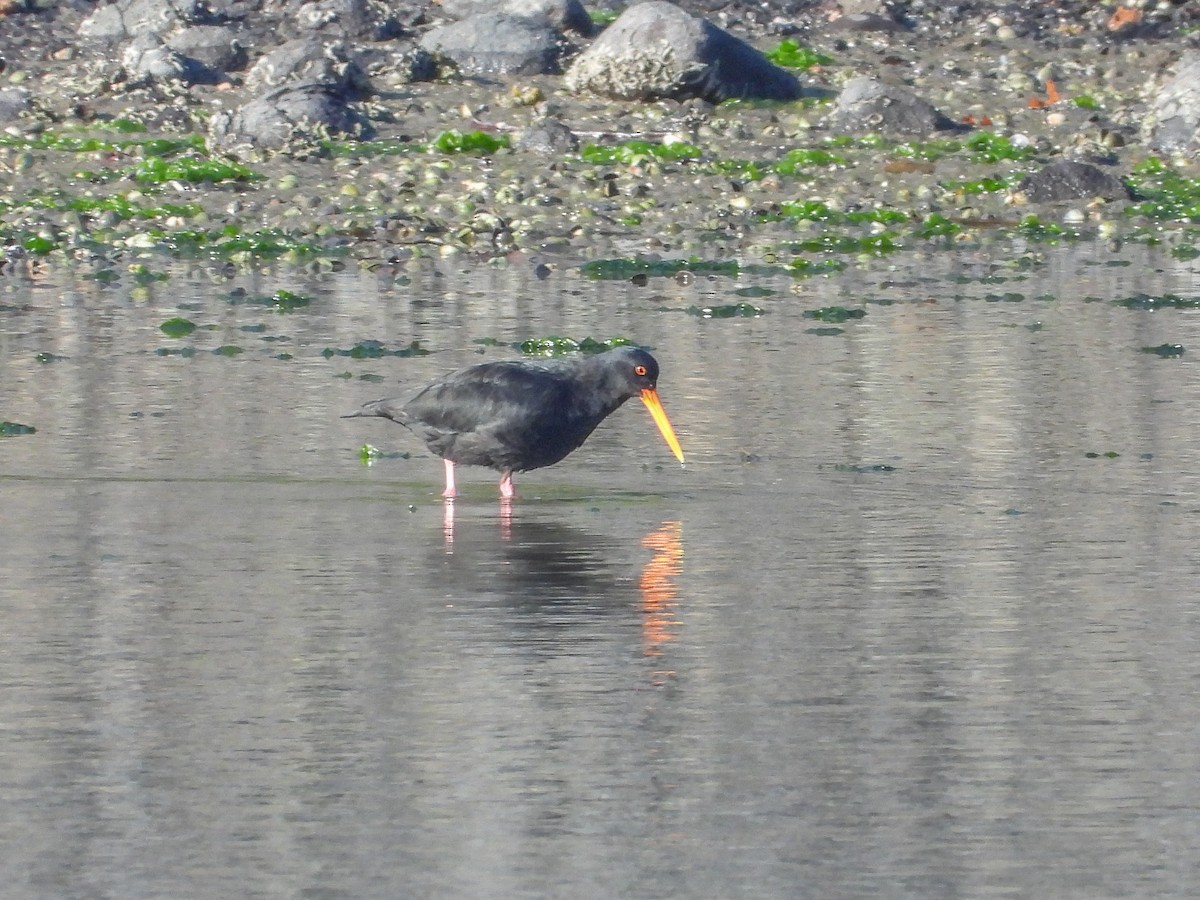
(1051, 82)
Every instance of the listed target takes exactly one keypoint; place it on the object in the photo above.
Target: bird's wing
(497, 397)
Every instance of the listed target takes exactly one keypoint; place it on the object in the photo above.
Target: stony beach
(375, 131)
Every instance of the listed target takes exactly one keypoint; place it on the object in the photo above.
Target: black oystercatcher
(518, 415)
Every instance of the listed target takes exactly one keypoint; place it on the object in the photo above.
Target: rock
(548, 136)
(136, 18)
(869, 105)
(565, 15)
(215, 47)
(293, 113)
(146, 58)
(312, 61)
(1067, 180)
(1174, 121)
(413, 65)
(656, 50)
(497, 44)
(13, 102)
(360, 20)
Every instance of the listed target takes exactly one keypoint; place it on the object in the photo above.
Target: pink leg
(449, 491)
(507, 491)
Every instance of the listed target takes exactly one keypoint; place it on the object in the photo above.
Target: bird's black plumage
(518, 415)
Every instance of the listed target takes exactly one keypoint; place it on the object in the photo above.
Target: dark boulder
(1068, 180)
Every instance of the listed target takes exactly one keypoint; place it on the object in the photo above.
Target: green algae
(834, 314)
(792, 55)
(1165, 351)
(630, 153)
(1164, 193)
(555, 345)
(177, 327)
(372, 349)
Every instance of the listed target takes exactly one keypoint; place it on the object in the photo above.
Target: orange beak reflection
(650, 398)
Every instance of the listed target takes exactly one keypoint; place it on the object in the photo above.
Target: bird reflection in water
(659, 594)
(506, 520)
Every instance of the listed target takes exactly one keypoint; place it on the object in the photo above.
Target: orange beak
(650, 398)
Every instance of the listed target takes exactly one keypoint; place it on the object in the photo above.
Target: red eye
(639, 371)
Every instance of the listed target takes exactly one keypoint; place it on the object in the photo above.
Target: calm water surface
(892, 632)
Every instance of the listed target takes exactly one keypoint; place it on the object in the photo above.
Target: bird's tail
(387, 409)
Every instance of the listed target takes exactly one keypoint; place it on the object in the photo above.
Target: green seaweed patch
(727, 311)
(988, 146)
(603, 17)
(228, 350)
(143, 274)
(834, 314)
(1155, 302)
(489, 342)
(816, 211)
(1107, 454)
(1036, 230)
(631, 153)
(1164, 193)
(192, 169)
(792, 55)
(875, 244)
(825, 331)
(39, 244)
(806, 268)
(1166, 351)
(184, 352)
(1185, 252)
(935, 225)
(1086, 101)
(628, 267)
(369, 454)
(796, 161)
(554, 345)
(991, 184)
(863, 468)
(13, 429)
(455, 141)
(177, 327)
(45, 357)
(927, 151)
(372, 349)
(231, 240)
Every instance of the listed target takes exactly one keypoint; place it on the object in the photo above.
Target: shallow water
(891, 632)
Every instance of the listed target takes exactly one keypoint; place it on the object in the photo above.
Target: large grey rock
(365, 20)
(135, 18)
(216, 47)
(657, 50)
(565, 15)
(497, 44)
(1174, 120)
(1068, 180)
(310, 60)
(288, 115)
(146, 58)
(869, 105)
